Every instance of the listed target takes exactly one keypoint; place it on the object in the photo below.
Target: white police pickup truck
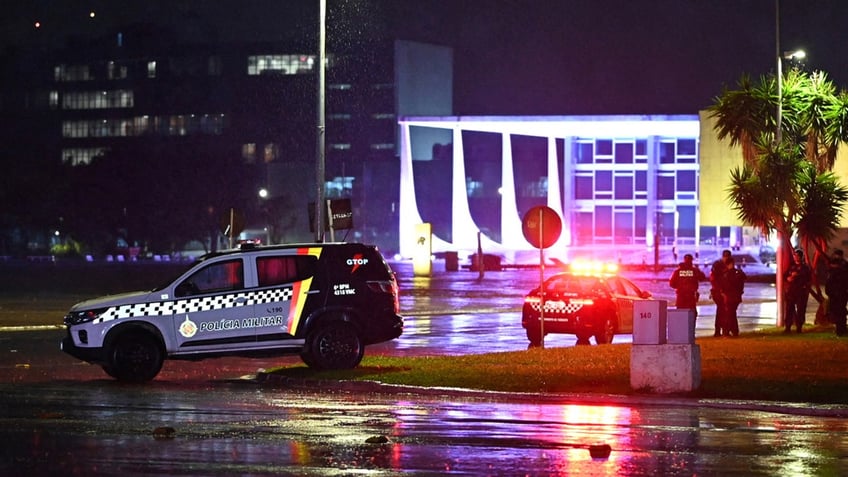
(324, 301)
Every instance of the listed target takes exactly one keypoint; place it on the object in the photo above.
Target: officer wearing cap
(796, 281)
(685, 280)
(716, 286)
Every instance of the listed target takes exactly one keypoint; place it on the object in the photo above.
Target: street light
(786, 55)
(264, 194)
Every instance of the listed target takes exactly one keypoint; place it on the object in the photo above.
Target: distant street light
(786, 55)
(264, 195)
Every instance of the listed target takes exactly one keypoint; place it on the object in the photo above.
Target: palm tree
(787, 187)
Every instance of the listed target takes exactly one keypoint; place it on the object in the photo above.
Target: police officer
(836, 287)
(733, 286)
(716, 285)
(797, 281)
(685, 280)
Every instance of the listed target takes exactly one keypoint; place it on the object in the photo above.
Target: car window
(572, 284)
(219, 276)
(616, 286)
(277, 270)
(630, 289)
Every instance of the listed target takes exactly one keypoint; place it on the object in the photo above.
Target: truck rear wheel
(334, 345)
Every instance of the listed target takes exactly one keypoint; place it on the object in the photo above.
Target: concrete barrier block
(681, 326)
(668, 368)
(649, 318)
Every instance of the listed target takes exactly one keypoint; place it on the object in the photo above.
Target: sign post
(541, 226)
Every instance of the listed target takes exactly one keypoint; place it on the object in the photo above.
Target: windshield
(182, 270)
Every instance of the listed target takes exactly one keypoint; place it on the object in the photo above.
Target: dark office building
(235, 122)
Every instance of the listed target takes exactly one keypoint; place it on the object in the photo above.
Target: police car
(590, 299)
(324, 301)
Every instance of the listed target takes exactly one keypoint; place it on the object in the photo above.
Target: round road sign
(541, 226)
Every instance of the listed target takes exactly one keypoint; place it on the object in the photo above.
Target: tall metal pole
(542, 277)
(780, 260)
(319, 168)
(779, 133)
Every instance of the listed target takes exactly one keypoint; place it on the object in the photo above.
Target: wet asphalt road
(64, 417)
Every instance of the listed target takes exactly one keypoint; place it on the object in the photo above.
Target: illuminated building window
(383, 116)
(115, 71)
(382, 146)
(53, 99)
(641, 186)
(585, 153)
(98, 99)
(667, 155)
(177, 125)
(280, 64)
(339, 187)
(340, 146)
(474, 188)
(623, 186)
(63, 73)
(584, 185)
(270, 152)
(79, 156)
(624, 153)
(665, 185)
(340, 87)
(151, 69)
(248, 152)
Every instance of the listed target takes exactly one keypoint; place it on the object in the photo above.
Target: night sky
(527, 57)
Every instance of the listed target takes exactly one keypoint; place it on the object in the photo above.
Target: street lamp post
(319, 168)
(780, 259)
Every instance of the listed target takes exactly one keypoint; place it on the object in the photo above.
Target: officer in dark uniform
(684, 280)
(716, 285)
(797, 281)
(836, 288)
(733, 286)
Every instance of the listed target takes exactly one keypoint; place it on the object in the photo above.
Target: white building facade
(621, 184)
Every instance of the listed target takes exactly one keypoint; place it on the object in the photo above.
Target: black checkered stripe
(558, 307)
(194, 305)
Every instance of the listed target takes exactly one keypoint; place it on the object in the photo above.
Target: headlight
(83, 316)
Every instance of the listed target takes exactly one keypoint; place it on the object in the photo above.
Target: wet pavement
(65, 417)
(442, 312)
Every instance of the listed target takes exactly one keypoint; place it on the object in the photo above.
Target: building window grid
(604, 162)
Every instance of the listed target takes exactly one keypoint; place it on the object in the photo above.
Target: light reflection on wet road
(455, 312)
(60, 417)
(107, 429)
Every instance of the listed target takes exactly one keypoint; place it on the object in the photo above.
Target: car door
(212, 309)
(285, 282)
(629, 293)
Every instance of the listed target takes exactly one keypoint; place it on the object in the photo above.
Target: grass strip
(765, 365)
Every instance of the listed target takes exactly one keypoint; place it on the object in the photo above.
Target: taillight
(386, 286)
